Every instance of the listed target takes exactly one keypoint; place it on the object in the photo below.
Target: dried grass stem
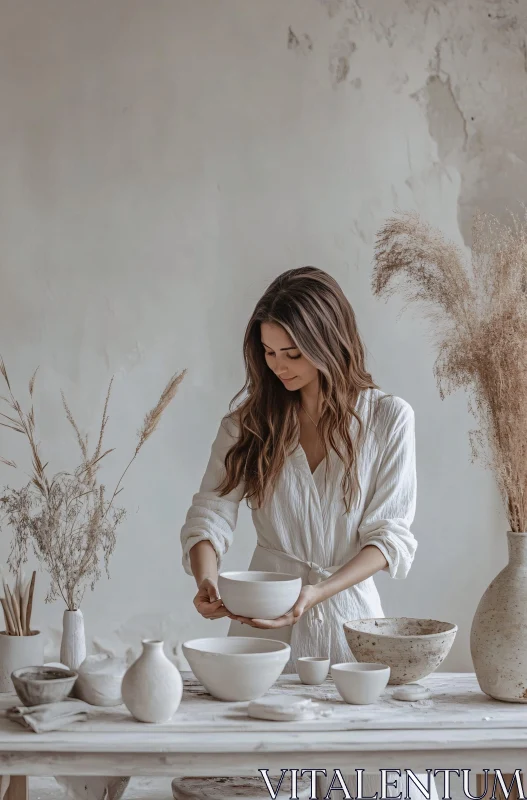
(66, 519)
(478, 314)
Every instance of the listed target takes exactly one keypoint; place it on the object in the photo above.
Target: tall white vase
(498, 637)
(73, 645)
(152, 687)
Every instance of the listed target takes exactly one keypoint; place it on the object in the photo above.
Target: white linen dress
(304, 529)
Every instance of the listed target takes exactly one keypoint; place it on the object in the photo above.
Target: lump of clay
(411, 691)
(283, 707)
(100, 679)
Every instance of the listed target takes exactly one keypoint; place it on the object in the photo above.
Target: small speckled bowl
(412, 648)
(39, 685)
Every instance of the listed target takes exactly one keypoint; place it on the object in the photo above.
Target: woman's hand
(208, 601)
(308, 597)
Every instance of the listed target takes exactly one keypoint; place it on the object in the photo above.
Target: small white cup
(360, 683)
(312, 670)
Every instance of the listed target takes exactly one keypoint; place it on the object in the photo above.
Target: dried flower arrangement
(67, 519)
(479, 315)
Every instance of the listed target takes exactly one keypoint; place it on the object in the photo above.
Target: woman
(326, 462)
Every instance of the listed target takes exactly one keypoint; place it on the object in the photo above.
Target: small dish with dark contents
(39, 685)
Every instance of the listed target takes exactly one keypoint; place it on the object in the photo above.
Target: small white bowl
(360, 683)
(258, 595)
(236, 668)
(312, 670)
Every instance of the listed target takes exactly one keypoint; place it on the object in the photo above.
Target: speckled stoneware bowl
(412, 648)
(39, 685)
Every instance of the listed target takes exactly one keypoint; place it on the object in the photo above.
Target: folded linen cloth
(49, 716)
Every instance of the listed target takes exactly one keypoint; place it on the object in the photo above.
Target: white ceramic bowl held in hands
(236, 668)
(360, 684)
(259, 595)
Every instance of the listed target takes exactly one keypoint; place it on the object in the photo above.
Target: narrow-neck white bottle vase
(152, 687)
(73, 645)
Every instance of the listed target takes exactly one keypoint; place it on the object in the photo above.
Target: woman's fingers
(298, 610)
(208, 614)
(208, 602)
(210, 610)
(217, 615)
(243, 620)
(204, 602)
(280, 622)
(267, 624)
(213, 604)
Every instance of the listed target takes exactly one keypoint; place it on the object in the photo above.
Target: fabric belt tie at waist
(315, 575)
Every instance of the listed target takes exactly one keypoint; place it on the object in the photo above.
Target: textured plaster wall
(161, 162)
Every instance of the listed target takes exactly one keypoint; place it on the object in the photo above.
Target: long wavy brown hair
(310, 305)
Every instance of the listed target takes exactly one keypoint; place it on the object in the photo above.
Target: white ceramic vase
(498, 637)
(17, 652)
(73, 644)
(152, 687)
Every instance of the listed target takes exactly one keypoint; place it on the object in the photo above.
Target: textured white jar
(100, 679)
(152, 687)
(498, 637)
(17, 652)
(73, 644)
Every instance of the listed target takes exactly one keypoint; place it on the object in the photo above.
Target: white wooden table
(457, 727)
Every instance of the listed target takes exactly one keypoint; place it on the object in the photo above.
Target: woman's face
(284, 357)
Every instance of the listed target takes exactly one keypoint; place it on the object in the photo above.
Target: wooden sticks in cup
(17, 604)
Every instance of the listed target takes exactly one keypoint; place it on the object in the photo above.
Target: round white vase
(73, 644)
(498, 637)
(152, 687)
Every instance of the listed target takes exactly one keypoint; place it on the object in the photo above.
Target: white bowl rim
(313, 659)
(452, 629)
(238, 576)
(282, 647)
(360, 666)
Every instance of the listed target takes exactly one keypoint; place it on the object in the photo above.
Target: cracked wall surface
(161, 164)
(474, 95)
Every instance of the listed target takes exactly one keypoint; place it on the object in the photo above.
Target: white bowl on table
(236, 668)
(312, 670)
(258, 595)
(360, 683)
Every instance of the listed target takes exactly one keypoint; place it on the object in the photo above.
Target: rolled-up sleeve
(389, 514)
(210, 517)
